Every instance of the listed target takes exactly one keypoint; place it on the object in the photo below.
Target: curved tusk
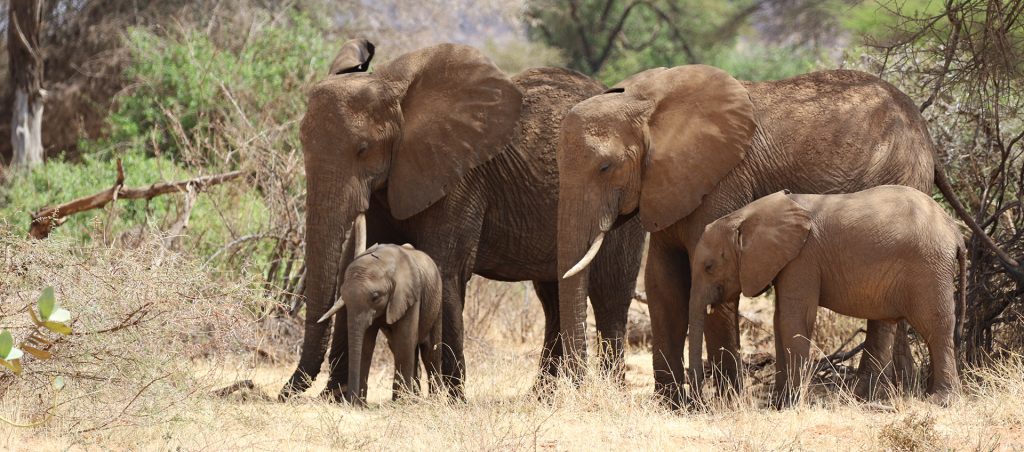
(583, 263)
(334, 310)
(360, 234)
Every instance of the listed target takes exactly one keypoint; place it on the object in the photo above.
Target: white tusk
(334, 309)
(583, 263)
(360, 234)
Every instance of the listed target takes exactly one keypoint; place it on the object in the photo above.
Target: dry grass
(202, 341)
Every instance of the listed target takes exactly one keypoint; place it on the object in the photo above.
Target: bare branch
(44, 220)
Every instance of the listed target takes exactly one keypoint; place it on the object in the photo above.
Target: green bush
(196, 105)
(189, 91)
(218, 215)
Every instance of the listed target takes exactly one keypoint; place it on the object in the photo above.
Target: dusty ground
(151, 386)
(501, 414)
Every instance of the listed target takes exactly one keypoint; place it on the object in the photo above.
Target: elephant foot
(873, 387)
(781, 400)
(943, 398)
(544, 386)
(297, 384)
(456, 393)
(334, 392)
(671, 396)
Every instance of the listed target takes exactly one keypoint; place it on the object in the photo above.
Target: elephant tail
(961, 302)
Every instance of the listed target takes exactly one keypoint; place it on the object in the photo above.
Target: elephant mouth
(625, 218)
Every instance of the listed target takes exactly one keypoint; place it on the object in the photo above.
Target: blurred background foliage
(179, 89)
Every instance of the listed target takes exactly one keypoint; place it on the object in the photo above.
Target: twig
(125, 408)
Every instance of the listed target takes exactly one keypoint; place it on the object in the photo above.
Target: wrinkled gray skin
(681, 147)
(417, 147)
(395, 290)
(885, 254)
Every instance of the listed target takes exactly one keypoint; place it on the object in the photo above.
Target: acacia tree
(26, 66)
(964, 61)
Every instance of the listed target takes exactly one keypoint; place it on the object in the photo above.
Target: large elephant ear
(405, 294)
(772, 231)
(700, 125)
(355, 56)
(458, 111)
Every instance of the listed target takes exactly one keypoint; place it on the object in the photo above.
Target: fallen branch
(247, 388)
(47, 218)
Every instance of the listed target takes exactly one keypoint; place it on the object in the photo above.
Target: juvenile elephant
(681, 147)
(397, 290)
(440, 149)
(886, 253)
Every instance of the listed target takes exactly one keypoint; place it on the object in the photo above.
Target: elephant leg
(794, 326)
(431, 355)
(796, 309)
(722, 332)
(453, 359)
(404, 351)
(552, 353)
(611, 309)
(935, 324)
(875, 372)
(667, 279)
(414, 385)
(337, 382)
(378, 230)
(369, 344)
(612, 285)
(902, 357)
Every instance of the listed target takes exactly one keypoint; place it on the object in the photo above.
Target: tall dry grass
(150, 385)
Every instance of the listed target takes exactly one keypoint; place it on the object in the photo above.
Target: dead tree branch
(47, 218)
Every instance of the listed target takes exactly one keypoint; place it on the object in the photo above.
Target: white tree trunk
(27, 129)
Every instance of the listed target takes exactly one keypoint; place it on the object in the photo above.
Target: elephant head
(741, 252)
(413, 127)
(653, 145)
(379, 283)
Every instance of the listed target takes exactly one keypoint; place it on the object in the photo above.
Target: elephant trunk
(574, 239)
(695, 335)
(358, 325)
(328, 220)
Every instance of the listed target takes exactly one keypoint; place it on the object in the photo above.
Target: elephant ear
(355, 56)
(700, 124)
(458, 110)
(405, 294)
(772, 231)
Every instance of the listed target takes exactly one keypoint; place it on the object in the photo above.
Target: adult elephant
(440, 149)
(684, 146)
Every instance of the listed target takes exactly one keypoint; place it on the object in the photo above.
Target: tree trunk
(26, 64)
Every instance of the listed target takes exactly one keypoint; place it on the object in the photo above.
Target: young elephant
(396, 289)
(886, 253)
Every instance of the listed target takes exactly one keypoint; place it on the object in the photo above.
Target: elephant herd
(551, 177)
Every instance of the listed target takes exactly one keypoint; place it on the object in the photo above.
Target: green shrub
(218, 215)
(190, 94)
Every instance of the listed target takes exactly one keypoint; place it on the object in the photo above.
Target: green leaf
(8, 352)
(58, 328)
(47, 301)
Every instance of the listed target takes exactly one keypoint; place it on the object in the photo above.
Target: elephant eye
(605, 166)
(375, 294)
(362, 148)
(708, 266)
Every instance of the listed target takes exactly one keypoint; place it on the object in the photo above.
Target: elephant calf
(396, 289)
(886, 253)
